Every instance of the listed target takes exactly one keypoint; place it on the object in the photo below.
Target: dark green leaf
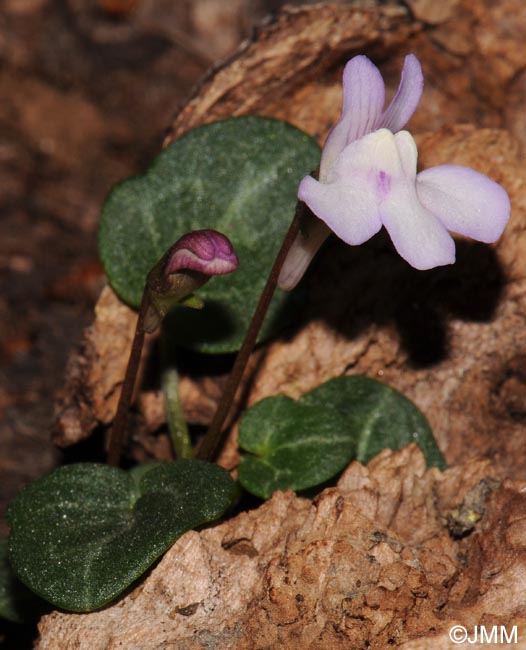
(300, 444)
(379, 417)
(292, 445)
(238, 176)
(17, 603)
(84, 533)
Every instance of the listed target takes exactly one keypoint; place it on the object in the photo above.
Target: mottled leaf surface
(299, 444)
(239, 176)
(84, 533)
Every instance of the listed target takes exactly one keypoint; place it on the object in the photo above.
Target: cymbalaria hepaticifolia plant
(82, 535)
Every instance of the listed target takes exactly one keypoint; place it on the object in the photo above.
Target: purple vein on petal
(363, 101)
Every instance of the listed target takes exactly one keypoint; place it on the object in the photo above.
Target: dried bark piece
(292, 70)
(95, 372)
(349, 569)
(288, 69)
(433, 12)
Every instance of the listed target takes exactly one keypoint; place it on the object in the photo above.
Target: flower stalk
(118, 431)
(215, 436)
(184, 268)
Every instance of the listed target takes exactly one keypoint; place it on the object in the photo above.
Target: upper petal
(417, 235)
(375, 151)
(465, 201)
(363, 101)
(407, 97)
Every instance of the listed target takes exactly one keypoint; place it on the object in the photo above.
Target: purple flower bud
(206, 251)
(183, 269)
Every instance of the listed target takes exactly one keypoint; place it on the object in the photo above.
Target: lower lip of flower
(383, 184)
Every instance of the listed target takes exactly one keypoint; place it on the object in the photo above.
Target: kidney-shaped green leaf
(239, 176)
(17, 603)
(301, 444)
(291, 445)
(84, 533)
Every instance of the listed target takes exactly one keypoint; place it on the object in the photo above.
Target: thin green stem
(215, 435)
(118, 432)
(176, 421)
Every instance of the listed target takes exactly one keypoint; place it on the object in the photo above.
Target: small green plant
(85, 533)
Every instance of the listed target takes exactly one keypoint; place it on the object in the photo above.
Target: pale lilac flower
(368, 180)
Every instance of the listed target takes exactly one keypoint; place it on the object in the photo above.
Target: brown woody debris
(369, 563)
(96, 372)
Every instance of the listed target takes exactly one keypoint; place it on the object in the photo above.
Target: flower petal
(465, 201)
(377, 151)
(408, 153)
(304, 248)
(407, 97)
(360, 179)
(349, 209)
(363, 101)
(417, 235)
